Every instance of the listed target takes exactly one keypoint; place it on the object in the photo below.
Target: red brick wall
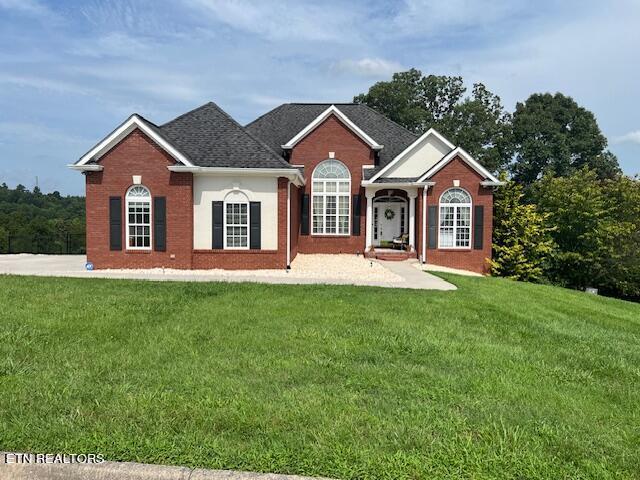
(333, 136)
(139, 155)
(251, 259)
(474, 260)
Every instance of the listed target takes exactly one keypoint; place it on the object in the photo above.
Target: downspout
(289, 225)
(424, 224)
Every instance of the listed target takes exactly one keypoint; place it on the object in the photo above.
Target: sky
(70, 72)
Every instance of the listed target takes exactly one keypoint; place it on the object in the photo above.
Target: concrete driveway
(305, 269)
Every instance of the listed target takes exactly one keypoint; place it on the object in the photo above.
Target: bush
(521, 239)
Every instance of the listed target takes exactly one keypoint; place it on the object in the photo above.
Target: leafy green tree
(622, 196)
(596, 228)
(40, 222)
(418, 102)
(4, 237)
(521, 239)
(552, 134)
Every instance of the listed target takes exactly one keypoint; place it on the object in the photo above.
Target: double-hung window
(236, 220)
(331, 198)
(138, 201)
(455, 219)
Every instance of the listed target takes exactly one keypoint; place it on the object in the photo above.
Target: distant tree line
(567, 215)
(33, 222)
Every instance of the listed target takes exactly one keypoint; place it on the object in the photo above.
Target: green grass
(495, 380)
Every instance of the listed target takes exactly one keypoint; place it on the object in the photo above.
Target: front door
(389, 221)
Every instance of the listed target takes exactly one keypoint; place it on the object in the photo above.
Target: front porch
(391, 219)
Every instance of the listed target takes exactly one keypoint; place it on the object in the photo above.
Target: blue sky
(72, 71)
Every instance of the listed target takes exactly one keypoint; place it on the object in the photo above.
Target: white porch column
(424, 224)
(369, 194)
(412, 219)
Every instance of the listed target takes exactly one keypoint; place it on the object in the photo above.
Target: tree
(521, 239)
(478, 123)
(622, 196)
(552, 134)
(597, 231)
(32, 218)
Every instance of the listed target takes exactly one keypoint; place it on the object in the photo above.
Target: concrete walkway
(74, 266)
(122, 471)
(415, 278)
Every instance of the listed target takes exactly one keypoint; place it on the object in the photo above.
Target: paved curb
(125, 471)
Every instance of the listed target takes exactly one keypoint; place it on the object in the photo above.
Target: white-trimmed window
(455, 219)
(236, 221)
(138, 201)
(331, 199)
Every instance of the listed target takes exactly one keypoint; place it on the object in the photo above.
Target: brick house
(202, 191)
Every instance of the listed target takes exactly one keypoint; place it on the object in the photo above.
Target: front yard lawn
(495, 380)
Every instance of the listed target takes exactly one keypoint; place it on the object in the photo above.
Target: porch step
(393, 256)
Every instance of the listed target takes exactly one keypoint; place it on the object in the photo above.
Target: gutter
(292, 174)
(92, 167)
(366, 183)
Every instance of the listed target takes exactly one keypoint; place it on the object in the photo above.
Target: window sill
(454, 249)
(331, 235)
(135, 252)
(240, 251)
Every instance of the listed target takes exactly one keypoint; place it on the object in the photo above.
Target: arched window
(455, 219)
(236, 220)
(138, 201)
(331, 198)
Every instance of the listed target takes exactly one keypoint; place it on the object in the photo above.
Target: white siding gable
(423, 156)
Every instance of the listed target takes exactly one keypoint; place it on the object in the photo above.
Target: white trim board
(431, 132)
(91, 167)
(133, 122)
(466, 157)
(332, 110)
(292, 174)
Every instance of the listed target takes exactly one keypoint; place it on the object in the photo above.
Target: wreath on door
(389, 214)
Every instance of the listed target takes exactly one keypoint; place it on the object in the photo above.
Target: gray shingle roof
(281, 124)
(209, 137)
(397, 180)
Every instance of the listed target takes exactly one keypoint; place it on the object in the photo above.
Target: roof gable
(332, 110)
(211, 138)
(280, 125)
(464, 156)
(135, 121)
(417, 157)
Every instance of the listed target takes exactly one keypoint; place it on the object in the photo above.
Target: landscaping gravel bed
(312, 266)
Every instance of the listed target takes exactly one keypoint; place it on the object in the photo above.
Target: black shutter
(304, 215)
(160, 224)
(432, 212)
(216, 222)
(115, 223)
(254, 225)
(355, 225)
(478, 226)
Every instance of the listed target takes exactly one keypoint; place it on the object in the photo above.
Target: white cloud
(29, 7)
(288, 19)
(428, 17)
(368, 67)
(48, 84)
(148, 80)
(631, 137)
(114, 44)
(13, 132)
(265, 100)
